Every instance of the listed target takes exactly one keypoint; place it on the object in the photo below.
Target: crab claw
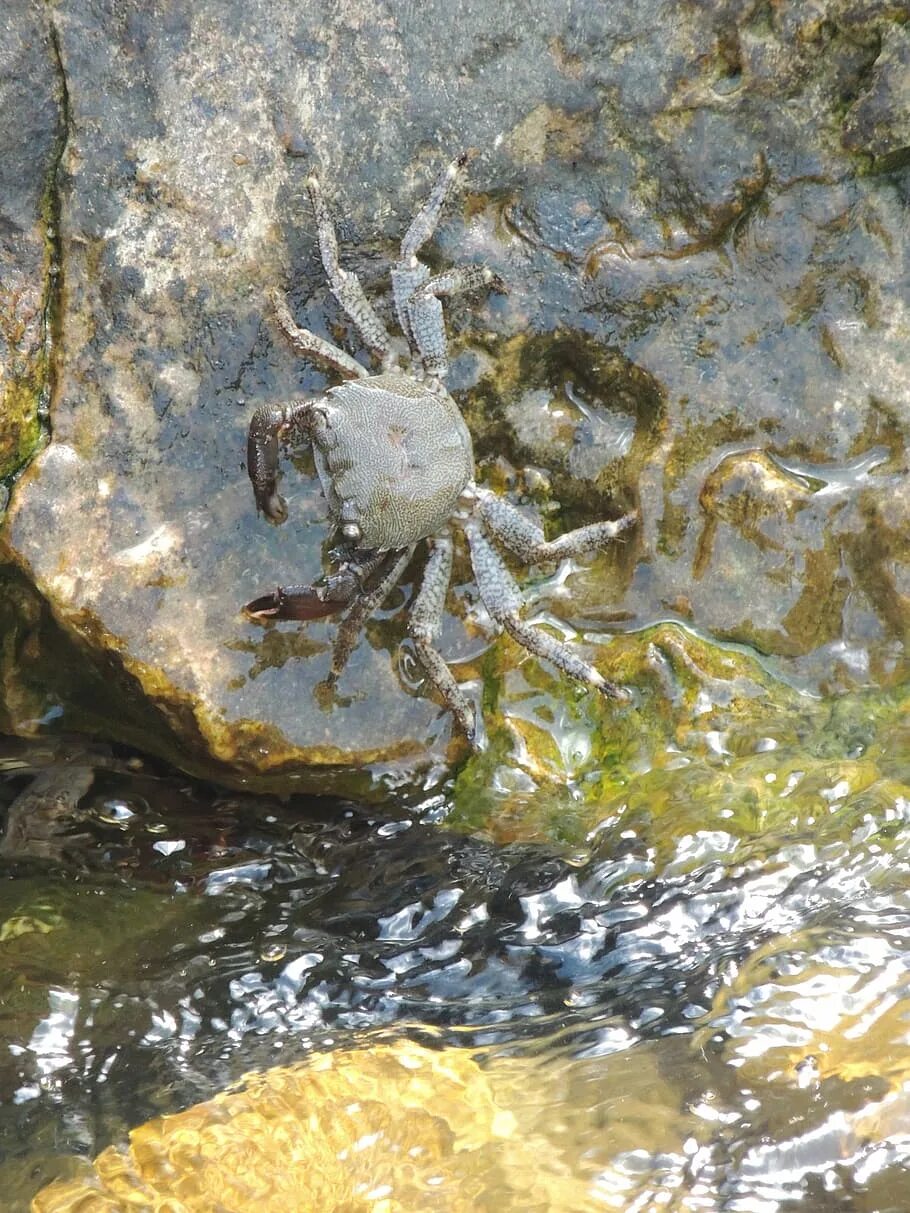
(268, 425)
(295, 602)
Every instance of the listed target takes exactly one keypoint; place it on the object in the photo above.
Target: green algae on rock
(560, 765)
(714, 740)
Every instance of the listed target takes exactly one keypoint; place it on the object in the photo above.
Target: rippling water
(689, 1019)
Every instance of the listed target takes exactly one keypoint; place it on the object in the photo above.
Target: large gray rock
(32, 105)
(706, 317)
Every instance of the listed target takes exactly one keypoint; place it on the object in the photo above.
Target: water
(677, 1018)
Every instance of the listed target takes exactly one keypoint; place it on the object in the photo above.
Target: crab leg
(425, 312)
(311, 346)
(502, 598)
(423, 225)
(346, 286)
(454, 281)
(363, 608)
(423, 627)
(526, 539)
(409, 273)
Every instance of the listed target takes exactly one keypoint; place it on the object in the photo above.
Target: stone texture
(31, 104)
(879, 121)
(706, 318)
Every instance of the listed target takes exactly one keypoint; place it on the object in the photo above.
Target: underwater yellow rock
(382, 1130)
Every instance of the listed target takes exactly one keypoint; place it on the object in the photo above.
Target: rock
(37, 819)
(32, 116)
(377, 1130)
(560, 762)
(878, 122)
(697, 262)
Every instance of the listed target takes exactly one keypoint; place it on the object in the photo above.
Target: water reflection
(682, 1018)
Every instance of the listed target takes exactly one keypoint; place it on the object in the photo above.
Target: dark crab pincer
(394, 457)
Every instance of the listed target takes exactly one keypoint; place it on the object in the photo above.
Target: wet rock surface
(706, 318)
(33, 102)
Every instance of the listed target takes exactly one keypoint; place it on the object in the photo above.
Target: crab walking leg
(404, 282)
(346, 286)
(423, 225)
(409, 273)
(423, 627)
(428, 334)
(363, 608)
(425, 318)
(309, 345)
(526, 539)
(454, 281)
(502, 598)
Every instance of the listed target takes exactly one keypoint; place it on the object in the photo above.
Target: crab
(396, 464)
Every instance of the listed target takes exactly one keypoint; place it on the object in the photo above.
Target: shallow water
(709, 1018)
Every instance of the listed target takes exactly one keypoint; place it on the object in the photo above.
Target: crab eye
(351, 532)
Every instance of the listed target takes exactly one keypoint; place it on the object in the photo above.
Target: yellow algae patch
(548, 131)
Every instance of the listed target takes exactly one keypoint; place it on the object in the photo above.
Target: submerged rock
(695, 271)
(392, 1128)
